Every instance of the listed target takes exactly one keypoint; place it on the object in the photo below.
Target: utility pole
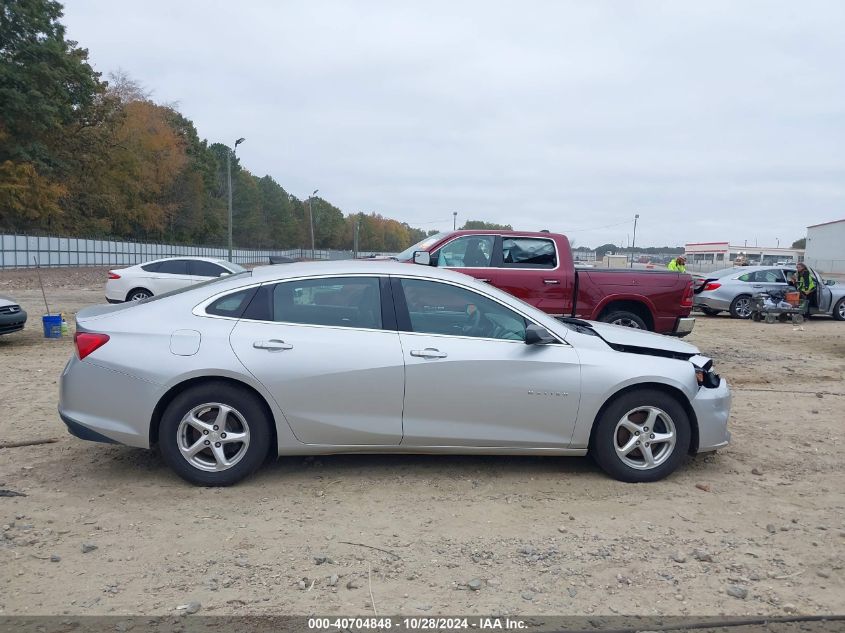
(634, 241)
(229, 154)
(454, 220)
(355, 237)
(311, 214)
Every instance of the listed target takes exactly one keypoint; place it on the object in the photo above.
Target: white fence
(22, 251)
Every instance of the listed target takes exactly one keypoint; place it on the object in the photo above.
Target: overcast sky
(712, 120)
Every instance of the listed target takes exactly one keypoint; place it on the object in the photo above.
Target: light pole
(229, 153)
(311, 215)
(634, 241)
(454, 220)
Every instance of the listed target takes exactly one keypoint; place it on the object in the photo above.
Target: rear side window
(173, 267)
(151, 268)
(231, 305)
(528, 252)
(200, 268)
(338, 301)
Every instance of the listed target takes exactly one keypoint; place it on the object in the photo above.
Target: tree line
(83, 156)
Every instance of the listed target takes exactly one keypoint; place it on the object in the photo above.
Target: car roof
(355, 267)
(214, 260)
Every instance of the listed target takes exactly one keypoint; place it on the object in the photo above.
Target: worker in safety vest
(805, 284)
(679, 264)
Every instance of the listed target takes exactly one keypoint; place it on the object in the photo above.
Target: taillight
(711, 286)
(113, 275)
(686, 300)
(87, 342)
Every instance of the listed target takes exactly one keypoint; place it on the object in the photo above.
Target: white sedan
(163, 275)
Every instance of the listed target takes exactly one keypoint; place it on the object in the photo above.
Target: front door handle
(551, 281)
(428, 352)
(273, 345)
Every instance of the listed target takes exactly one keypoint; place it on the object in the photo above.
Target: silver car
(731, 290)
(379, 356)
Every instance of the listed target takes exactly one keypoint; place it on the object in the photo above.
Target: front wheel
(625, 318)
(642, 436)
(839, 310)
(214, 434)
(741, 307)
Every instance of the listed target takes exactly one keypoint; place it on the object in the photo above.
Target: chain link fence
(23, 251)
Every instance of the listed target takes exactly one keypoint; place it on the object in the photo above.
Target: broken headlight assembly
(705, 375)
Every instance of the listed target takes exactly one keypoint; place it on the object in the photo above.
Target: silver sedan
(371, 357)
(730, 290)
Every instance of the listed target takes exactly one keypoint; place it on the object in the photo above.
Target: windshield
(422, 245)
(235, 268)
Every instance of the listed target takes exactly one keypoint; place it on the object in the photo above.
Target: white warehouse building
(826, 247)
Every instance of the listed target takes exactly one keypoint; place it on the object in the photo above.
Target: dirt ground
(758, 528)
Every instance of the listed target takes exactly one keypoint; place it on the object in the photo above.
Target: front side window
(200, 268)
(439, 308)
(470, 251)
(528, 252)
(339, 301)
(173, 267)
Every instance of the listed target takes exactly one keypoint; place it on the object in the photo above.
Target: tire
(839, 310)
(710, 311)
(136, 294)
(741, 307)
(244, 414)
(625, 318)
(615, 429)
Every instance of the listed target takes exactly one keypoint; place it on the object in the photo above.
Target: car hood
(626, 337)
(7, 301)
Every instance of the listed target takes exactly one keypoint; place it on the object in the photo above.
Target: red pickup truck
(538, 268)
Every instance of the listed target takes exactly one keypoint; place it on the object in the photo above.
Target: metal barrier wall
(19, 251)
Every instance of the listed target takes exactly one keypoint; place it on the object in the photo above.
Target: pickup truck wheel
(623, 317)
(641, 436)
(741, 307)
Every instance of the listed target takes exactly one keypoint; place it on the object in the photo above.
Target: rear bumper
(704, 301)
(12, 322)
(104, 405)
(110, 300)
(712, 409)
(684, 326)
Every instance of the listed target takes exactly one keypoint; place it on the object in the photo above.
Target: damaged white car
(381, 357)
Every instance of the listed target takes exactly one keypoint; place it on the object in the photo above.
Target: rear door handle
(428, 352)
(273, 345)
(551, 281)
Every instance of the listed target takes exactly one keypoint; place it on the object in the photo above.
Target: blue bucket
(52, 325)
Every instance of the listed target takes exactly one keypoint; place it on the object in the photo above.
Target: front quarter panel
(607, 372)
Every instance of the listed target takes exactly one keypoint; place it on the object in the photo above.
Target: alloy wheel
(644, 438)
(743, 308)
(137, 296)
(213, 437)
(626, 323)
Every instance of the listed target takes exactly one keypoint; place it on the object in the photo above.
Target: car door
(171, 274)
(470, 379)
(530, 270)
(328, 352)
(824, 294)
(768, 280)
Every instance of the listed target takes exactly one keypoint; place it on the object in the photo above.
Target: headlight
(705, 375)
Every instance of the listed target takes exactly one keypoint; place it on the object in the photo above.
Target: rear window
(151, 267)
(231, 305)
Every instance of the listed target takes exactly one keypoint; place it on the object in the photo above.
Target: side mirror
(423, 258)
(829, 282)
(537, 335)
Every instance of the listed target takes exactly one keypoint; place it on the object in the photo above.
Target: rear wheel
(642, 436)
(625, 318)
(214, 434)
(741, 307)
(138, 293)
